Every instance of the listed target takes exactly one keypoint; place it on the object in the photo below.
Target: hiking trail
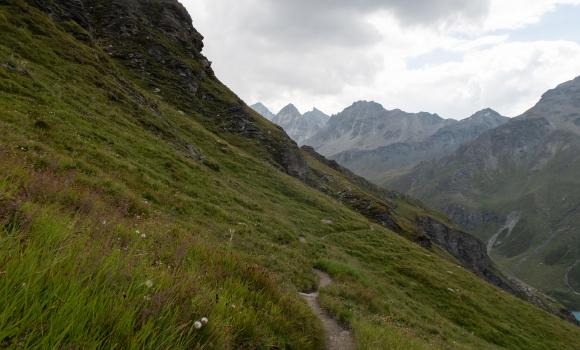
(337, 337)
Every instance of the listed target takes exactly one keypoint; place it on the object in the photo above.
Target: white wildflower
(197, 325)
(204, 320)
(137, 232)
(149, 283)
(143, 236)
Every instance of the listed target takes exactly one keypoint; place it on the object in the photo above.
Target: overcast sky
(451, 57)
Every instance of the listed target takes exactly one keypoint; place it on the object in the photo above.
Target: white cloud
(510, 77)
(514, 14)
(330, 53)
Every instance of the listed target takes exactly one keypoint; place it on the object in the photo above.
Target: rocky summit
(144, 205)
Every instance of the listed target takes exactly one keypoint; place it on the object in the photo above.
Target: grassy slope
(113, 237)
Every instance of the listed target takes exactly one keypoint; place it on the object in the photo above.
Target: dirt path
(337, 337)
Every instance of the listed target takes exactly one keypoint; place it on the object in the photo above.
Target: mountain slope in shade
(300, 127)
(373, 164)
(518, 188)
(144, 205)
(263, 110)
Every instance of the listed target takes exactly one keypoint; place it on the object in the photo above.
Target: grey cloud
(343, 22)
(437, 11)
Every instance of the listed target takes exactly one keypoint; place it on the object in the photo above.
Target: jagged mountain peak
(486, 112)
(289, 109)
(316, 110)
(487, 116)
(300, 127)
(263, 110)
(317, 115)
(259, 105)
(364, 107)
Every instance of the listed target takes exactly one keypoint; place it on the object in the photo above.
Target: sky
(451, 57)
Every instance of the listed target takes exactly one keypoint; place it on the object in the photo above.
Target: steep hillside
(517, 188)
(373, 164)
(139, 195)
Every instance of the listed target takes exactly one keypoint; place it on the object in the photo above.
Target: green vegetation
(112, 235)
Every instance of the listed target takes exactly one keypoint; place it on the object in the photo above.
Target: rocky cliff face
(161, 47)
(528, 166)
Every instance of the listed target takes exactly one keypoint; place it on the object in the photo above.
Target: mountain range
(144, 205)
(370, 140)
(516, 187)
(298, 126)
